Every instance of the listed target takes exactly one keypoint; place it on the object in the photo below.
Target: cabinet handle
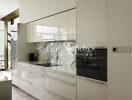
(63, 81)
(51, 92)
(62, 73)
(88, 79)
(57, 95)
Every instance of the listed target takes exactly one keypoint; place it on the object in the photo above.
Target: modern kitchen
(67, 50)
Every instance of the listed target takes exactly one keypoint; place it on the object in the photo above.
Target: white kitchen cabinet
(92, 23)
(25, 79)
(59, 86)
(54, 28)
(90, 90)
(31, 32)
(45, 30)
(72, 25)
(38, 82)
(66, 25)
(62, 25)
(30, 78)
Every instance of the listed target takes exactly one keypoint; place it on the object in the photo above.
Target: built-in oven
(92, 63)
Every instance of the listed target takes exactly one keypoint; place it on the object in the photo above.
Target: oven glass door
(92, 64)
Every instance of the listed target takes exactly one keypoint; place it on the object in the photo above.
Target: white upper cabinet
(61, 23)
(30, 32)
(72, 25)
(66, 25)
(45, 30)
(58, 27)
(91, 22)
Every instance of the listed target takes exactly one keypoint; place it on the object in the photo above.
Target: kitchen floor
(17, 94)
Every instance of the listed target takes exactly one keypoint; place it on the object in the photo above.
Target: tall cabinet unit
(91, 23)
(90, 90)
(91, 32)
(120, 29)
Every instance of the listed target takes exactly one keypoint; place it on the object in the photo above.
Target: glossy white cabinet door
(38, 85)
(91, 22)
(58, 27)
(45, 30)
(25, 80)
(30, 78)
(60, 86)
(62, 25)
(72, 25)
(90, 90)
(31, 32)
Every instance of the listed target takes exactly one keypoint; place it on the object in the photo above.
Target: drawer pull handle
(57, 95)
(93, 80)
(65, 82)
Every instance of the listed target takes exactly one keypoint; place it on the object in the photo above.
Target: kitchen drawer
(51, 95)
(27, 75)
(27, 86)
(37, 68)
(61, 76)
(38, 88)
(25, 66)
(64, 88)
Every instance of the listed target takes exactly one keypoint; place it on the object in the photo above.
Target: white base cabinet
(44, 84)
(58, 86)
(90, 90)
(29, 78)
(38, 83)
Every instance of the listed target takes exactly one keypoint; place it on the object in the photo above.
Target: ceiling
(8, 6)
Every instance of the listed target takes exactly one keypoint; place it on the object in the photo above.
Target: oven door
(94, 67)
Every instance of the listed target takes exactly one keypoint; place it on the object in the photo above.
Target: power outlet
(122, 49)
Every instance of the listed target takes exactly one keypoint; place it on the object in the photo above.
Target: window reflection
(51, 32)
(46, 29)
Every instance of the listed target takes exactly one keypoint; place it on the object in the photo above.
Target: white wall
(119, 64)
(34, 9)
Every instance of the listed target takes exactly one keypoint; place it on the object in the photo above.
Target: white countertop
(64, 69)
(5, 75)
(67, 69)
